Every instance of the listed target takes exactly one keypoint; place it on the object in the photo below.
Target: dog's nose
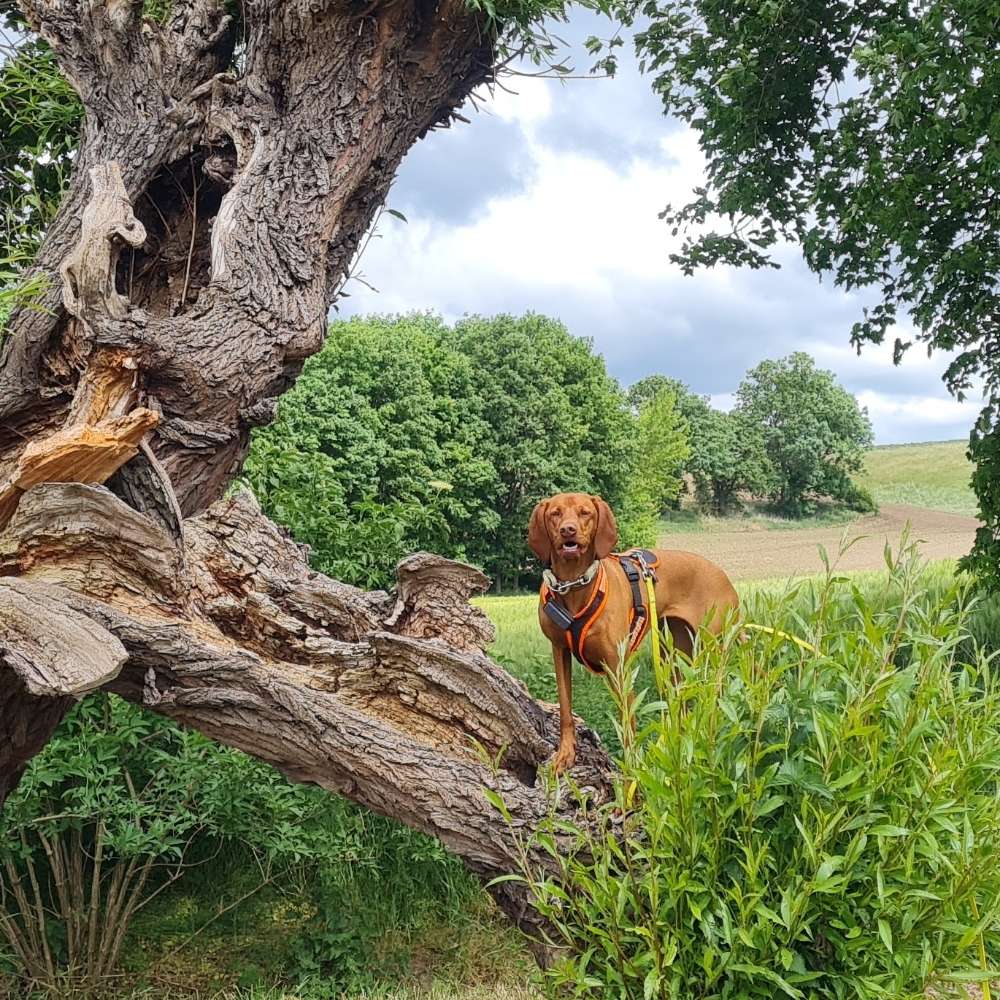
(567, 530)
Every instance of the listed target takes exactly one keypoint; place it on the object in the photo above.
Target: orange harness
(638, 564)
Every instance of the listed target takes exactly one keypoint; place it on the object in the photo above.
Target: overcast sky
(548, 201)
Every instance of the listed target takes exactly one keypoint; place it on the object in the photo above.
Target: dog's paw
(564, 759)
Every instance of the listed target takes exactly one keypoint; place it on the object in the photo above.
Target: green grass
(934, 474)
(409, 921)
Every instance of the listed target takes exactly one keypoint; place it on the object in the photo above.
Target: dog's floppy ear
(606, 536)
(538, 533)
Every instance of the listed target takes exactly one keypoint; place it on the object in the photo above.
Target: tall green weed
(792, 823)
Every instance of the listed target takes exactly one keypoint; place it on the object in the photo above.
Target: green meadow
(934, 474)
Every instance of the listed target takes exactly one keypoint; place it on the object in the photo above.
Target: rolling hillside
(934, 474)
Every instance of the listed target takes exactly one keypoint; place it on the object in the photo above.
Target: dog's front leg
(566, 755)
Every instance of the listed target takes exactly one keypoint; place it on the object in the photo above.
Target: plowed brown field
(754, 555)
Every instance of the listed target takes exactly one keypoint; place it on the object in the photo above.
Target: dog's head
(573, 529)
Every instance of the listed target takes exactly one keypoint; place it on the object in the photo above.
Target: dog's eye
(556, 513)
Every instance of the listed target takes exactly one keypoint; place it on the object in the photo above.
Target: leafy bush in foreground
(107, 817)
(795, 824)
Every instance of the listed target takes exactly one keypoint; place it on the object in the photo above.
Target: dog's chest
(597, 638)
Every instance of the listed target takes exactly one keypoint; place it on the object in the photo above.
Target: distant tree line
(794, 436)
(408, 433)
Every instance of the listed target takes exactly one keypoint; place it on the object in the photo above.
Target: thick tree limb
(54, 651)
(386, 701)
(50, 654)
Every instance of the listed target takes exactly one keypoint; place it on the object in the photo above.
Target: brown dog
(593, 605)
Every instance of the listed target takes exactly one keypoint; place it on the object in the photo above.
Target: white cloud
(578, 237)
(525, 100)
(580, 229)
(898, 419)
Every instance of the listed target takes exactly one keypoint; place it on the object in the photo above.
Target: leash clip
(563, 587)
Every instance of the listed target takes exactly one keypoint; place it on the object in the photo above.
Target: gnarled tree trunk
(225, 177)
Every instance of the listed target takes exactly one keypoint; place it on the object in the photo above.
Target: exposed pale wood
(86, 453)
(88, 274)
(103, 427)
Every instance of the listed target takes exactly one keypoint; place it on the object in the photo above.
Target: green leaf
(885, 933)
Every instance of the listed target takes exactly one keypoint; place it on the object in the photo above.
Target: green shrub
(821, 825)
(117, 808)
(860, 498)
(984, 621)
(162, 832)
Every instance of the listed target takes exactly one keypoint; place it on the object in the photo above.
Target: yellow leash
(654, 622)
(985, 985)
(655, 630)
(783, 635)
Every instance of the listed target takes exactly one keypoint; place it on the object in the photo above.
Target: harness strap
(638, 618)
(638, 566)
(576, 627)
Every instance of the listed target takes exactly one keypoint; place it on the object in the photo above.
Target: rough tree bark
(226, 174)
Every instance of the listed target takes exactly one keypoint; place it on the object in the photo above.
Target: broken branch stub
(88, 273)
(104, 426)
(50, 655)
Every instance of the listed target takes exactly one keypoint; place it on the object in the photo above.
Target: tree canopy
(867, 134)
(814, 432)
(662, 446)
(726, 455)
(376, 451)
(730, 458)
(406, 433)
